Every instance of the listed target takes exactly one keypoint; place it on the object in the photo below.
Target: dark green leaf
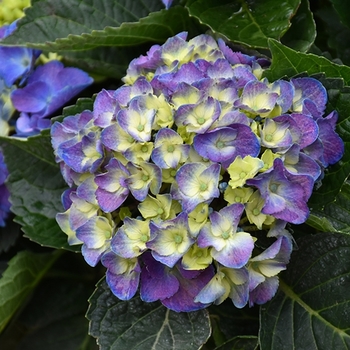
(23, 274)
(240, 343)
(47, 20)
(8, 235)
(287, 62)
(80, 27)
(247, 22)
(235, 322)
(139, 325)
(343, 9)
(36, 185)
(302, 33)
(333, 37)
(337, 213)
(311, 309)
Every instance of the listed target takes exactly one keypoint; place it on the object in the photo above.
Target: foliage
(45, 284)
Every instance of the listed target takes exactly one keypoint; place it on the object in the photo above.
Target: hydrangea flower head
(187, 166)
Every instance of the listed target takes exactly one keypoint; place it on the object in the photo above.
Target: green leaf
(336, 213)
(23, 274)
(240, 343)
(110, 62)
(8, 235)
(333, 37)
(47, 20)
(302, 33)
(287, 62)
(343, 9)
(140, 325)
(36, 185)
(51, 26)
(245, 22)
(311, 308)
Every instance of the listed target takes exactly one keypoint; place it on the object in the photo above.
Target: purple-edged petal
(171, 241)
(169, 150)
(157, 281)
(122, 275)
(198, 118)
(144, 177)
(333, 145)
(285, 194)
(197, 183)
(310, 96)
(223, 145)
(183, 299)
(257, 98)
(112, 188)
(264, 292)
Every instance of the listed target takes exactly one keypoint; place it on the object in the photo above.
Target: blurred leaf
(139, 325)
(301, 35)
(240, 343)
(343, 9)
(247, 22)
(337, 213)
(311, 308)
(319, 222)
(333, 37)
(287, 62)
(36, 185)
(23, 274)
(8, 235)
(235, 322)
(110, 62)
(52, 26)
(54, 316)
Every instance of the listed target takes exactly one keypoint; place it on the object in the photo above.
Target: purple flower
(223, 145)
(122, 275)
(230, 248)
(175, 287)
(48, 89)
(196, 183)
(16, 62)
(112, 188)
(285, 194)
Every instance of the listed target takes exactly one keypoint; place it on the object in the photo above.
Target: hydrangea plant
(177, 175)
(201, 175)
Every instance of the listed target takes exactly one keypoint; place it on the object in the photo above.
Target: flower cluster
(33, 91)
(182, 181)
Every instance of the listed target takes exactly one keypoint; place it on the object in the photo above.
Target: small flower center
(170, 148)
(201, 120)
(256, 211)
(178, 239)
(140, 127)
(199, 254)
(268, 137)
(225, 235)
(203, 187)
(160, 211)
(220, 144)
(273, 187)
(144, 149)
(243, 174)
(238, 199)
(144, 238)
(145, 177)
